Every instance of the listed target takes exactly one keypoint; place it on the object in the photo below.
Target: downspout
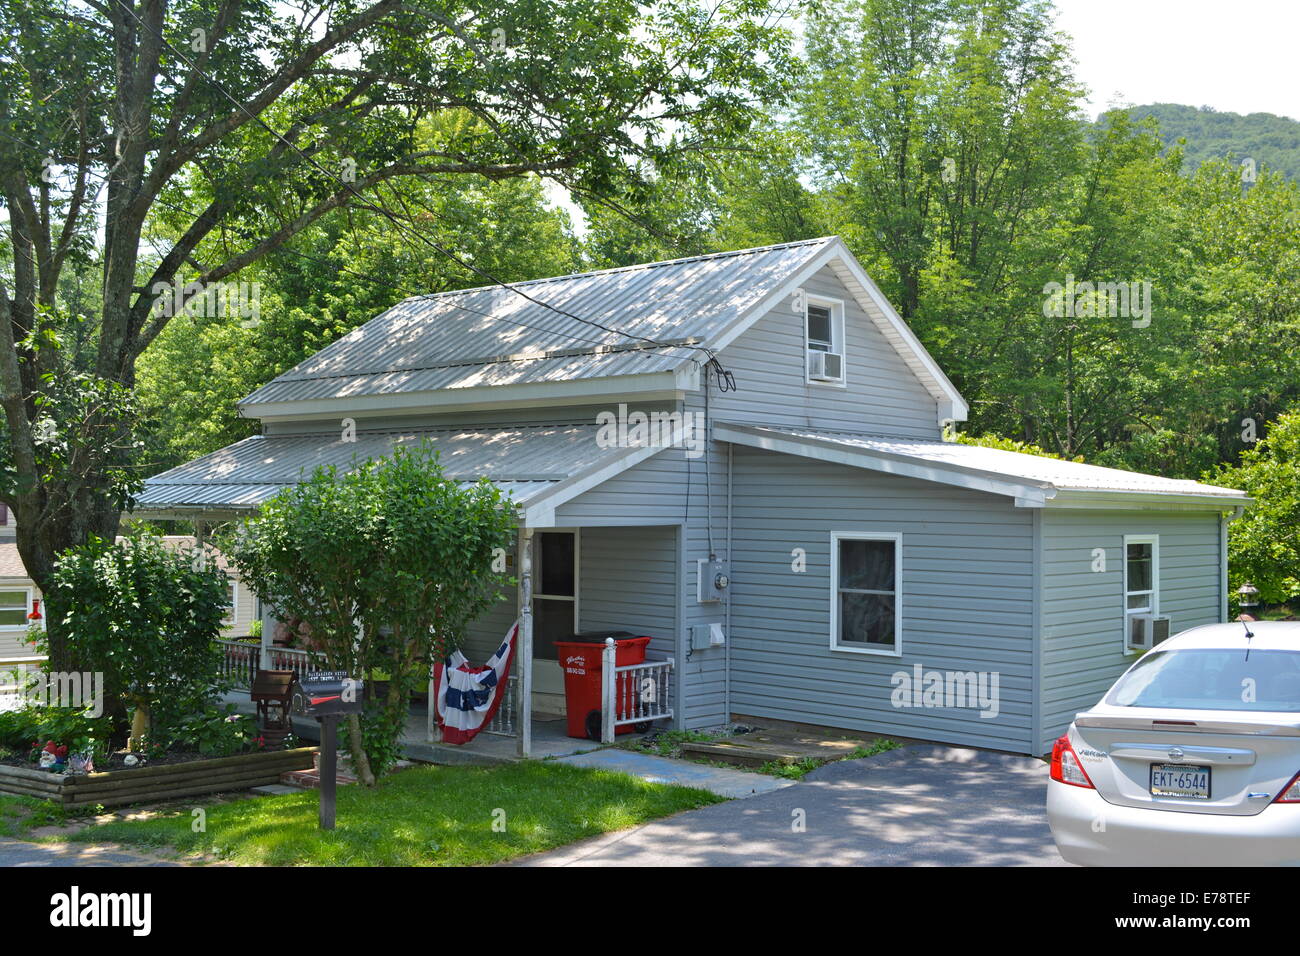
(731, 570)
(525, 672)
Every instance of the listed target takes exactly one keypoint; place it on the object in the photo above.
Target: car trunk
(1197, 762)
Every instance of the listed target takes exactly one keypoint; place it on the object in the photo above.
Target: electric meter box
(712, 580)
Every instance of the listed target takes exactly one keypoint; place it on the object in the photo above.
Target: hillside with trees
(1270, 140)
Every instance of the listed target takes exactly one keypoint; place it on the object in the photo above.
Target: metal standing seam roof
(521, 460)
(1050, 473)
(473, 337)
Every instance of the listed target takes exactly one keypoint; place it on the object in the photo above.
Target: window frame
(26, 608)
(577, 566)
(896, 537)
(1153, 604)
(836, 307)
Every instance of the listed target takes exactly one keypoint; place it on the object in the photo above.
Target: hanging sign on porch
(467, 697)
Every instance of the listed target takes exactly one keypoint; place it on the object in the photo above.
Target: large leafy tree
(335, 275)
(146, 616)
(1264, 544)
(386, 565)
(247, 121)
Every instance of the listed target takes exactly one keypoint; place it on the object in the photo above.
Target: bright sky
(1239, 56)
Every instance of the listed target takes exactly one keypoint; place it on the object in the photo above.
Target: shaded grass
(427, 816)
(21, 815)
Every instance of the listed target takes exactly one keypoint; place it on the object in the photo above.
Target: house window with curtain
(866, 576)
(555, 591)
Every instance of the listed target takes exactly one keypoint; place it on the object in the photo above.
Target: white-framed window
(866, 593)
(15, 605)
(824, 340)
(1141, 578)
(555, 591)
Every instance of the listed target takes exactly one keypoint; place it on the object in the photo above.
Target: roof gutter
(1027, 494)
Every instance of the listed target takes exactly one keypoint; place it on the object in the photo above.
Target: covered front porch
(573, 582)
(586, 559)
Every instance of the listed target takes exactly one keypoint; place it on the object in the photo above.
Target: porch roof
(1033, 480)
(527, 462)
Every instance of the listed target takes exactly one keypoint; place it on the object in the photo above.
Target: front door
(555, 605)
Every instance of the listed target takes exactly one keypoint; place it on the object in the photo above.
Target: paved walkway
(18, 853)
(918, 806)
(724, 781)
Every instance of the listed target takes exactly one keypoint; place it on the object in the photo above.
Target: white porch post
(268, 634)
(525, 652)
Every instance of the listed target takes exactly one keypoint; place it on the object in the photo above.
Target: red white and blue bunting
(467, 697)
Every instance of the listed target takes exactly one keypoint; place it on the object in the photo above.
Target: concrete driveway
(918, 806)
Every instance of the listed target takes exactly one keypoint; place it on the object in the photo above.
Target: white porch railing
(632, 694)
(241, 661)
(14, 674)
(300, 662)
(504, 721)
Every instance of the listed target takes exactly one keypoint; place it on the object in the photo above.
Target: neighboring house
(17, 591)
(242, 602)
(862, 549)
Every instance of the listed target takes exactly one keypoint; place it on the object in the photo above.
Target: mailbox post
(327, 696)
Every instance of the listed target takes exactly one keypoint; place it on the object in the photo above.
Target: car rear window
(1212, 679)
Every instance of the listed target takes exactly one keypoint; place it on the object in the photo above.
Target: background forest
(947, 142)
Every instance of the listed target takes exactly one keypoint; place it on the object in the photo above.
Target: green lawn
(426, 816)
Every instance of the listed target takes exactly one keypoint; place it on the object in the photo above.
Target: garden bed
(154, 783)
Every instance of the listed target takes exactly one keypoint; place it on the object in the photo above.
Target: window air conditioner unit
(825, 366)
(1146, 631)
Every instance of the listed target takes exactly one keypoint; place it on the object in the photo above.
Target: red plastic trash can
(580, 659)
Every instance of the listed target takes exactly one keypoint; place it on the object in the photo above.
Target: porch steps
(310, 779)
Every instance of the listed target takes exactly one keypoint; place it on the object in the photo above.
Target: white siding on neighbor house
(967, 599)
(13, 639)
(1083, 610)
(881, 395)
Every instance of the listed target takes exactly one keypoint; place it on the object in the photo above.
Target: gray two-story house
(764, 415)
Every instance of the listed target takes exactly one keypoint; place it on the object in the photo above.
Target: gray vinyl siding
(654, 492)
(627, 582)
(1083, 610)
(966, 599)
(881, 396)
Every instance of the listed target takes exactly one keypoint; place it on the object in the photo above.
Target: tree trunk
(139, 725)
(360, 762)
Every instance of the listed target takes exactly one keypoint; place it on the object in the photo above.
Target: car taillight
(1065, 765)
(1291, 792)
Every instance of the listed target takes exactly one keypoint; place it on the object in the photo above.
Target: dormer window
(824, 337)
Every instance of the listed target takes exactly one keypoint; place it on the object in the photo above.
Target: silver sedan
(1191, 759)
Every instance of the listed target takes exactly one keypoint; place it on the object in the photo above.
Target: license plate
(1177, 780)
